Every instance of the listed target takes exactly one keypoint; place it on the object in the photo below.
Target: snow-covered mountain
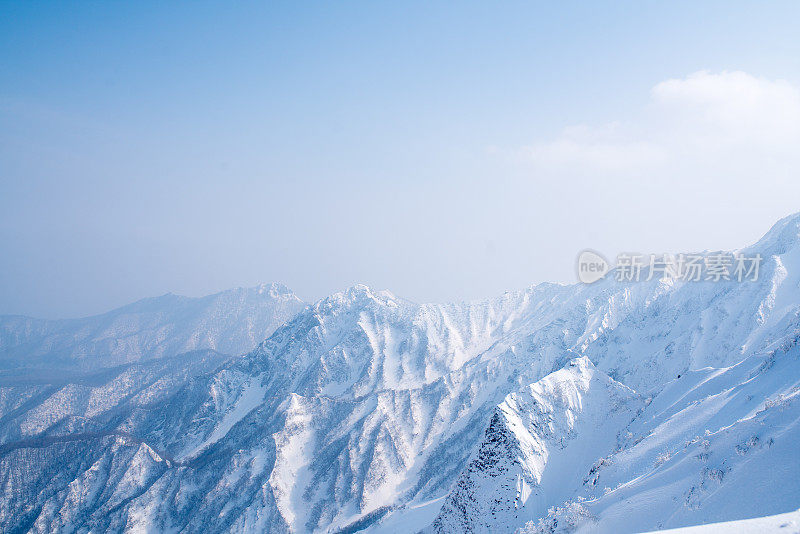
(231, 322)
(538, 447)
(707, 447)
(610, 407)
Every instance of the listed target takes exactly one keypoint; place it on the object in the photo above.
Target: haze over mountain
(231, 322)
(610, 407)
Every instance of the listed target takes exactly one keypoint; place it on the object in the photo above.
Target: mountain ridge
(232, 322)
(363, 411)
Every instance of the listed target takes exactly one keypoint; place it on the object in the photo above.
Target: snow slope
(788, 523)
(708, 447)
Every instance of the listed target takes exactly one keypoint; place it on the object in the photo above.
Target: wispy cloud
(701, 125)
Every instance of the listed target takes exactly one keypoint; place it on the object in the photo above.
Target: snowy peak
(526, 457)
(782, 237)
(276, 290)
(358, 297)
(555, 404)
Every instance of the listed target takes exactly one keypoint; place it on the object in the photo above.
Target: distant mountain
(230, 322)
(610, 407)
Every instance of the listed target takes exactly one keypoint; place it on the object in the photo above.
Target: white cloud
(733, 98)
(610, 147)
(703, 127)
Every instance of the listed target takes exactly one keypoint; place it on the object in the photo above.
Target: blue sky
(444, 151)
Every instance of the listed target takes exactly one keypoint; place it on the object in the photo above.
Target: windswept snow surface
(788, 523)
(612, 407)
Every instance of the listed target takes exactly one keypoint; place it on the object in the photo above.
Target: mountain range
(607, 407)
